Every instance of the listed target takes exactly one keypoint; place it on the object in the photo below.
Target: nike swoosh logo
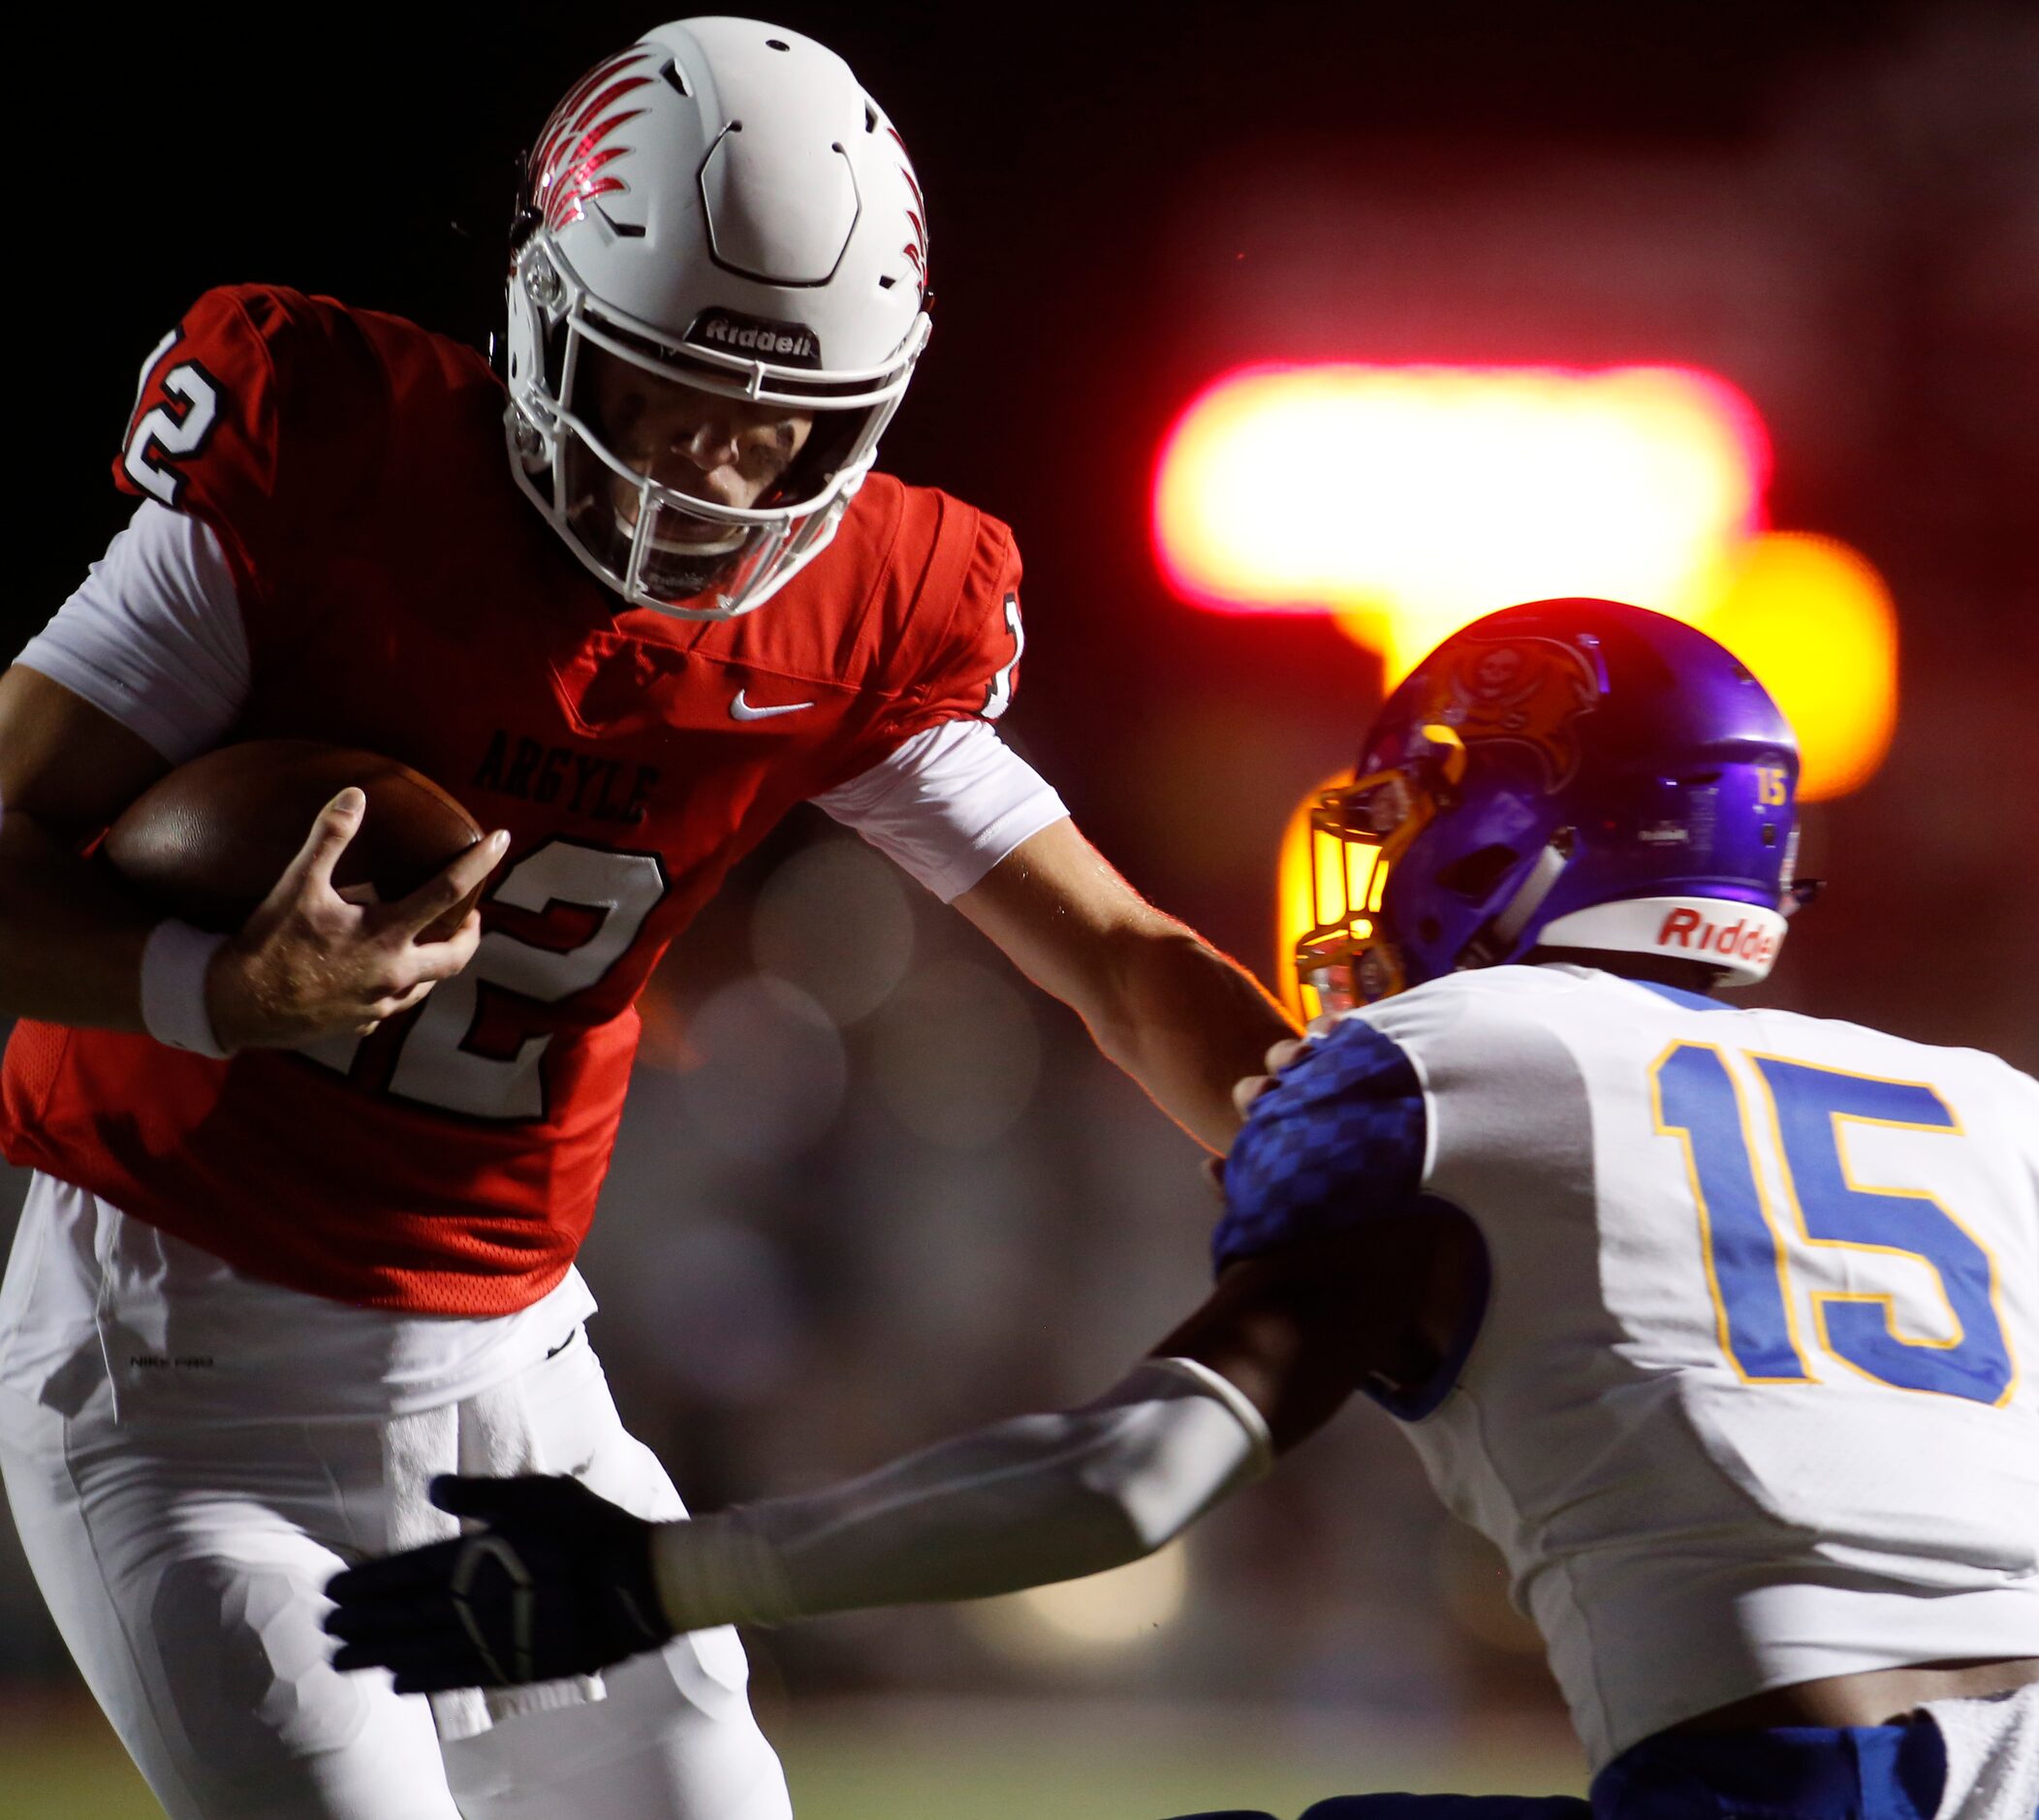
(740, 709)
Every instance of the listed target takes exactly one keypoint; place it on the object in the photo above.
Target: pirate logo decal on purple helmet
(1526, 690)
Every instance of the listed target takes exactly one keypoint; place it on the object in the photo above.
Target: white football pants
(185, 1567)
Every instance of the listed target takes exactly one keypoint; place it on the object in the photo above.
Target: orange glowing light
(1814, 622)
(1410, 499)
(1405, 502)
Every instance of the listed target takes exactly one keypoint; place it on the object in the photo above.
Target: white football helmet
(724, 208)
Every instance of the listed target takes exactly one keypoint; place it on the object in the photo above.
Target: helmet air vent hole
(886, 281)
(1474, 876)
(776, 44)
(1429, 927)
(671, 74)
(871, 119)
(1770, 834)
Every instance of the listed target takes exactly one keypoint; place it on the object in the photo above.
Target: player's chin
(675, 566)
(681, 574)
(687, 539)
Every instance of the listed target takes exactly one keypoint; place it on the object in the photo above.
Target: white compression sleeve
(1016, 1504)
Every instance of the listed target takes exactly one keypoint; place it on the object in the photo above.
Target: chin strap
(1498, 939)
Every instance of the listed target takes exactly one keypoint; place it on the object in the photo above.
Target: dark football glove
(558, 1584)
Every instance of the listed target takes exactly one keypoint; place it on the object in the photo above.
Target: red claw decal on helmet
(915, 249)
(567, 169)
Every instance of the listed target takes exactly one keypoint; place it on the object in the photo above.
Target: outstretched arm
(1184, 1020)
(1018, 1504)
(1268, 1359)
(560, 1582)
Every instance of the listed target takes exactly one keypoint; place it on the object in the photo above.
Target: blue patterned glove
(1337, 1139)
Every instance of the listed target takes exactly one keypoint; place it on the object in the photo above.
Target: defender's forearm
(1017, 1504)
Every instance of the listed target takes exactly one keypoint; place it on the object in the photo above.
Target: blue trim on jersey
(1335, 1142)
(1890, 1772)
(1447, 1807)
(1795, 1773)
(1678, 995)
(1791, 1773)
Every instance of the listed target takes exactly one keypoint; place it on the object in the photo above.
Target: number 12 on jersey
(1697, 1098)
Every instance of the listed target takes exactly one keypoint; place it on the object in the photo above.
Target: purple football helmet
(1566, 774)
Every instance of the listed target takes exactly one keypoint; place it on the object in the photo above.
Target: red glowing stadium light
(1405, 502)
(1420, 496)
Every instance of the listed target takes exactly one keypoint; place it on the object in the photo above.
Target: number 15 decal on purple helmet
(1567, 774)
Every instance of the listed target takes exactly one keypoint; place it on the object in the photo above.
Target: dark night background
(1126, 199)
(1836, 205)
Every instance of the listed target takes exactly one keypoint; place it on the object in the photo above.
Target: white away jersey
(1752, 1400)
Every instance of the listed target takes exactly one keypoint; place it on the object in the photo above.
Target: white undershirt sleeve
(154, 634)
(948, 804)
(1017, 1504)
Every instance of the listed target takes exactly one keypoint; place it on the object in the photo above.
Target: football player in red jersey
(300, 1235)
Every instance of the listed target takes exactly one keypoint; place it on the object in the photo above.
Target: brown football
(209, 842)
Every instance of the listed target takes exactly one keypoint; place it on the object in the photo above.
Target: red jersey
(401, 595)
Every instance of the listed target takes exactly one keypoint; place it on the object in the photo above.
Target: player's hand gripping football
(309, 964)
(559, 1583)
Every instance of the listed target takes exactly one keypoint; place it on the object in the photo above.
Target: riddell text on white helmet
(792, 342)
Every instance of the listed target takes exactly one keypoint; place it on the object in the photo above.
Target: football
(209, 842)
